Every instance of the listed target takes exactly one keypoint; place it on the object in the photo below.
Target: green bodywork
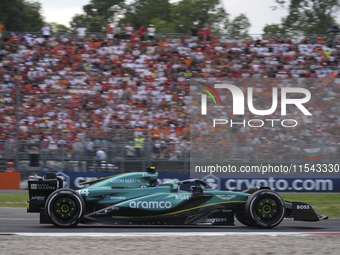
(139, 191)
(137, 199)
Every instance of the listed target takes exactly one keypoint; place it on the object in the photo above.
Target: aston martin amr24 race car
(135, 198)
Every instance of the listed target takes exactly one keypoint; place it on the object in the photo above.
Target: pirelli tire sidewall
(68, 194)
(252, 206)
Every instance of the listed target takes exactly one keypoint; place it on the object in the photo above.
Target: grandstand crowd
(72, 90)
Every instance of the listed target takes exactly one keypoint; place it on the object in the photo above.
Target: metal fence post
(17, 113)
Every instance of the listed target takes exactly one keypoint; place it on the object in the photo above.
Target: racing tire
(265, 209)
(65, 208)
(241, 217)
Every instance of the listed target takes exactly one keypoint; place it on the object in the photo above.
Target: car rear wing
(39, 189)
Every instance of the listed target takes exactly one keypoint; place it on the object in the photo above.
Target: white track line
(171, 234)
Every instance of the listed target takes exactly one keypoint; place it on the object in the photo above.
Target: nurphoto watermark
(243, 123)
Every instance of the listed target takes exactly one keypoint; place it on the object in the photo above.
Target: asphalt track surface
(17, 220)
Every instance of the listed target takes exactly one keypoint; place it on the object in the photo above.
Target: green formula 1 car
(135, 198)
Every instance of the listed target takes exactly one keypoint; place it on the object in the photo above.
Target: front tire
(65, 208)
(265, 209)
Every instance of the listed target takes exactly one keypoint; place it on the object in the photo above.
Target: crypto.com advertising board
(265, 127)
(280, 183)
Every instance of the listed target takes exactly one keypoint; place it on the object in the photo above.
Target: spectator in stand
(208, 33)
(130, 150)
(77, 148)
(216, 40)
(141, 32)
(194, 33)
(203, 35)
(10, 167)
(100, 156)
(46, 31)
(81, 31)
(109, 32)
(139, 145)
(89, 148)
(122, 32)
(34, 156)
(75, 87)
(163, 150)
(53, 148)
(156, 148)
(134, 36)
(2, 30)
(128, 31)
(116, 32)
(151, 32)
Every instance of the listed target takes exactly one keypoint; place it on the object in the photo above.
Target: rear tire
(265, 209)
(65, 208)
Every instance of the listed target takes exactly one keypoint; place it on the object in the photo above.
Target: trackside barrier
(320, 183)
(10, 180)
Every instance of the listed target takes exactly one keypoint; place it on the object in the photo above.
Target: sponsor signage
(321, 183)
(38, 198)
(214, 220)
(42, 186)
(113, 197)
(150, 204)
(285, 184)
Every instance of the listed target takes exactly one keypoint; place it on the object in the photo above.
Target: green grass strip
(13, 200)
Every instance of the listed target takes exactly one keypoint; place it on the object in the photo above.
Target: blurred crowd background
(116, 99)
(112, 91)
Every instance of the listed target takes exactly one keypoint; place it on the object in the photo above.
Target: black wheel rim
(267, 209)
(65, 208)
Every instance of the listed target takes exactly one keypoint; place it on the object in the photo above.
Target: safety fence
(109, 156)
